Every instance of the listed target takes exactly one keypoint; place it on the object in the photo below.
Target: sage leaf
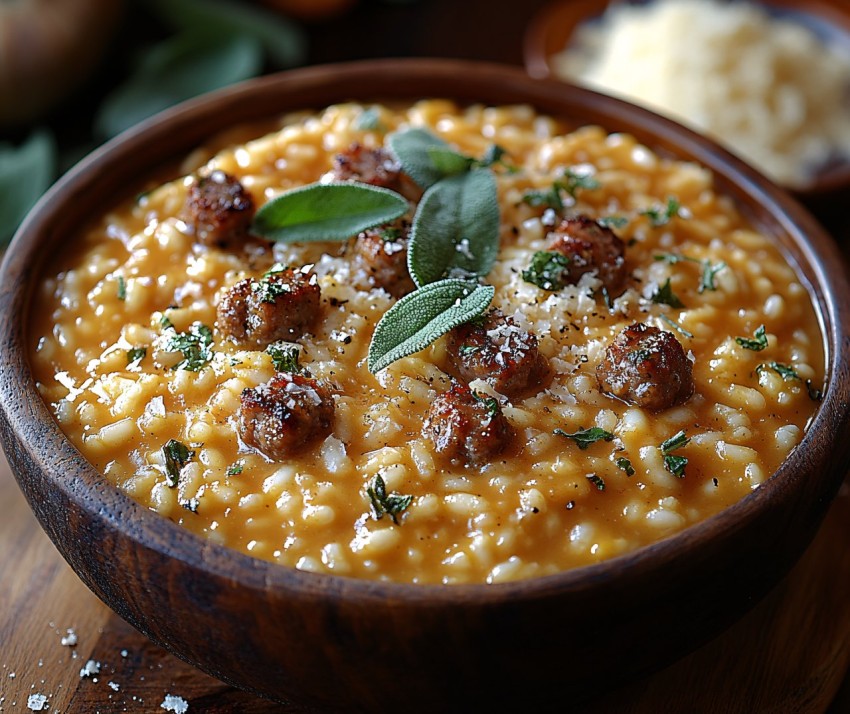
(283, 41)
(415, 321)
(26, 172)
(189, 64)
(322, 212)
(414, 147)
(449, 162)
(455, 229)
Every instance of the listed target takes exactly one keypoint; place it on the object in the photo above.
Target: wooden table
(790, 654)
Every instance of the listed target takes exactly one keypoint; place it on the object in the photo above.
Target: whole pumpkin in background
(47, 48)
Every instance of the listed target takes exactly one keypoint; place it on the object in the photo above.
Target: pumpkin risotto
(518, 349)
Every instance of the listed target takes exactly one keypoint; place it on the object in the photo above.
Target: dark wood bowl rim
(817, 259)
(539, 44)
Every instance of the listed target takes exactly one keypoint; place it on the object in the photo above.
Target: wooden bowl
(340, 643)
(550, 31)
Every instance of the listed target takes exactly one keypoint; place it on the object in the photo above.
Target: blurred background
(74, 73)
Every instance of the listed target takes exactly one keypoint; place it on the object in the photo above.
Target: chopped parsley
(165, 323)
(195, 344)
(136, 354)
(664, 295)
(122, 288)
(613, 221)
(783, 370)
(676, 326)
(468, 350)
(662, 216)
(570, 183)
(284, 357)
(708, 272)
(269, 290)
(491, 404)
(386, 504)
(625, 465)
(675, 464)
(235, 468)
(596, 481)
(390, 234)
(789, 373)
(586, 437)
(757, 343)
(176, 455)
(548, 270)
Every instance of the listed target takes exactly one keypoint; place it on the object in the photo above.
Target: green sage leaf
(26, 172)
(322, 212)
(283, 41)
(455, 229)
(179, 68)
(413, 148)
(415, 321)
(448, 161)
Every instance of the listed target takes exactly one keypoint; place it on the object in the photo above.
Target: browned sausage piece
(466, 427)
(497, 350)
(377, 167)
(283, 305)
(219, 209)
(647, 367)
(285, 415)
(591, 248)
(383, 254)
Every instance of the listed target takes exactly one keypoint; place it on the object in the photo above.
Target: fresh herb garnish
(675, 464)
(676, 326)
(709, 270)
(419, 318)
(757, 343)
(455, 229)
(235, 468)
(327, 212)
(664, 295)
(369, 120)
(165, 323)
(677, 441)
(586, 437)
(195, 344)
(783, 370)
(176, 456)
(386, 504)
(596, 481)
(552, 197)
(136, 354)
(269, 290)
(613, 221)
(491, 404)
(789, 373)
(625, 465)
(284, 357)
(467, 350)
(122, 288)
(662, 216)
(548, 270)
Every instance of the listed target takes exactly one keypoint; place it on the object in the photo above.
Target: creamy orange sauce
(540, 507)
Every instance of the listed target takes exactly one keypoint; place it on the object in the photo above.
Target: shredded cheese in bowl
(764, 85)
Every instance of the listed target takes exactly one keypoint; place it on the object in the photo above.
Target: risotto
(629, 358)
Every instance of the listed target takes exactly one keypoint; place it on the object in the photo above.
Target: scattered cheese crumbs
(173, 703)
(36, 702)
(114, 686)
(69, 640)
(91, 668)
(124, 653)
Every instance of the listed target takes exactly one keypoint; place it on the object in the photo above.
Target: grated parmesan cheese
(768, 87)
